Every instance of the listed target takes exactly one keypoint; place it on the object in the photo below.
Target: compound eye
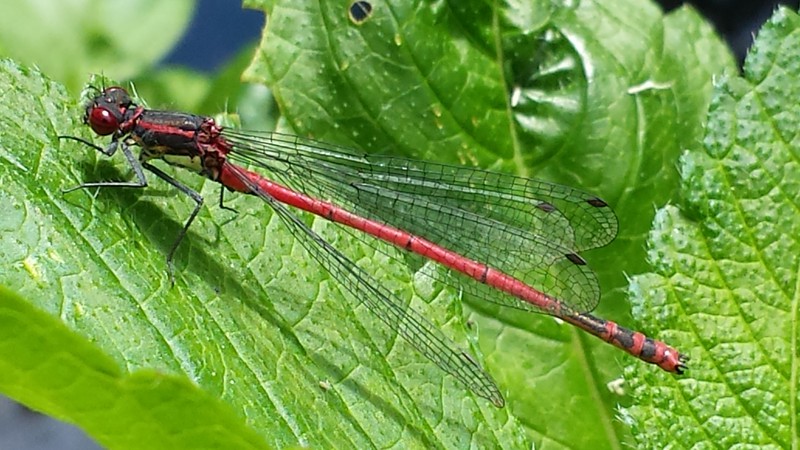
(103, 121)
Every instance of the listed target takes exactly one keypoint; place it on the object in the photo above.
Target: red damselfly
(506, 239)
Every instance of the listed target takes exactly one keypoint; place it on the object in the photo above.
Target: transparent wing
(529, 229)
(412, 326)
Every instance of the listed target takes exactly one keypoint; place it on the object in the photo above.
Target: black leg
(194, 195)
(221, 204)
(108, 151)
(140, 182)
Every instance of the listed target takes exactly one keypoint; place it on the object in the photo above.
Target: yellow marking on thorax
(194, 163)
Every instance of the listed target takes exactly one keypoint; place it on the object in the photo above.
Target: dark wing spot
(576, 259)
(596, 202)
(546, 207)
(360, 11)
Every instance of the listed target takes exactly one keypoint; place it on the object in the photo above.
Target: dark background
(219, 29)
(735, 20)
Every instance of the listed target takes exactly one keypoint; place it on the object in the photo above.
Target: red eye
(103, 121)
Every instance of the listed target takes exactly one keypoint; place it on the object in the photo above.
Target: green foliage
(68, 40)
(251, 320)
(53, 368)
(726, 268)
(255, 345)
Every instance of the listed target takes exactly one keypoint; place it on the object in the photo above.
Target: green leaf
(726, 261)
(601, 96)
(52, 368)
(71, 39)
(250, 321)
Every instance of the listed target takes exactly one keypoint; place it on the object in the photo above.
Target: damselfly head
(106, 111)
